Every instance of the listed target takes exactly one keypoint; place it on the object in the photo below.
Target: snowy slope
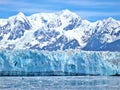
(106, 36)
(58, 31)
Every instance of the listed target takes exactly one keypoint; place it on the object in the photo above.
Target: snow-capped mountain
(58, 31)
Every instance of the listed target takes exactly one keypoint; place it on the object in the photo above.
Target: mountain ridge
(58, 31)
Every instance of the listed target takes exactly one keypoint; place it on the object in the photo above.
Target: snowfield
(59, 31)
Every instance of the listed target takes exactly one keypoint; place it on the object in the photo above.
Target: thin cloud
(19, 6)
(9, 2)
(32, 10)
(87, 14)
(4, 1)
(56, 4)
(86, 2)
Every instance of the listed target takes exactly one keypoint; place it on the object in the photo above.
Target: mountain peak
(20, 14)
(110, 19)
(21, 17)
(66, 11)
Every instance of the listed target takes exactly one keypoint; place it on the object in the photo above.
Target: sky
(91, 10)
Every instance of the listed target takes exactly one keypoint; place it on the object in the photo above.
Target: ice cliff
(68, 62)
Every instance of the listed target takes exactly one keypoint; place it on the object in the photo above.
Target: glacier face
(59, 31)
(68, 62)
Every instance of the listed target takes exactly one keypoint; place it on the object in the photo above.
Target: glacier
(59, 43)
(67, 62)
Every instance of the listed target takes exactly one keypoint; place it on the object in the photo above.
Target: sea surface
(60, 83)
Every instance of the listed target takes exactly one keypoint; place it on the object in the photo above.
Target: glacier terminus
(68, 62)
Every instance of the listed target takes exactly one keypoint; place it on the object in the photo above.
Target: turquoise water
(60, 83)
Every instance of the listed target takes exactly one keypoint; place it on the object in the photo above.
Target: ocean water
(60, 83)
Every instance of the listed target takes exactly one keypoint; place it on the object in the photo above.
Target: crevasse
(68, 62)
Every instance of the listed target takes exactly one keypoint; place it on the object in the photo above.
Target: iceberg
(67, 62)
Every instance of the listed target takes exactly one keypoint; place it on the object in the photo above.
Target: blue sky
(87, 9)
